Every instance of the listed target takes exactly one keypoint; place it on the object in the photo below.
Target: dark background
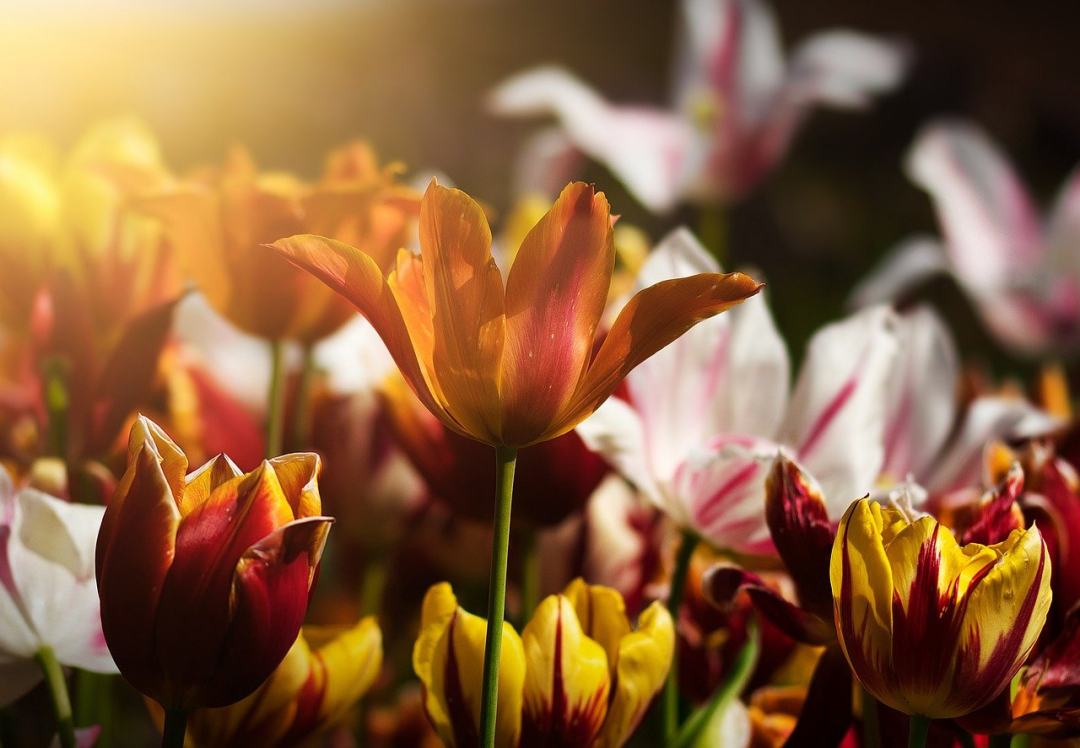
(411, 76)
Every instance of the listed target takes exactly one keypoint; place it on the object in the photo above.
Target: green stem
(275, 404)
(58, 694)
(678, 583)
(93, 703)
(175, 728)
(871, 724)
(505, 461)
(371, 591)
(56, 406)
(1021, 740)
(712, 231)
(918, 729)
(301, 423)
(530, 575)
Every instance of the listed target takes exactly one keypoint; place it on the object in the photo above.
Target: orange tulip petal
(355, 276)
(555, 295)
(465, 290)
(298, 475)
(654, 317)
(205, 480)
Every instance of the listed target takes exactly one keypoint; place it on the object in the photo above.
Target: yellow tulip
(930, 627)
(578, 675)
(324, 675)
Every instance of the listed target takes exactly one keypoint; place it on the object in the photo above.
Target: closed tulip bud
(930, 627)
(578, 675)
(326, 672)
(204, 578)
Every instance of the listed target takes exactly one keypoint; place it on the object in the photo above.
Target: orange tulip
(515, 362)
(218, 223)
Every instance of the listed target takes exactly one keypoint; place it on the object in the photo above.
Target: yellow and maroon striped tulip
(512, 362)
(324, 675)
(579, 675)
(930, 627)
(204, 578)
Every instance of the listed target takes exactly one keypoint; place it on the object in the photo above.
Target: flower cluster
(405, 404)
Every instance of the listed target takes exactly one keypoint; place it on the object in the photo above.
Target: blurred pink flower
(705, 416)
(929, 440)
(1021, 270)
(736, 106)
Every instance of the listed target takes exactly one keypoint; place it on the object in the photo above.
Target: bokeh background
(292, 79)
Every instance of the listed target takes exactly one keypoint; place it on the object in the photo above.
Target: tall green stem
(93, 703)
(871, 724)
(675, 595)
(175, 728)
(530, 575)
(918, 729)
(300, 436)
(58, 694)
(275, 404)
(373, 585)
(505, 461)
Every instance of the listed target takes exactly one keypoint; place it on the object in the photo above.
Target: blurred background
(411, 76)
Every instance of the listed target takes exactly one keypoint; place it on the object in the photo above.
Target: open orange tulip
(515, 362)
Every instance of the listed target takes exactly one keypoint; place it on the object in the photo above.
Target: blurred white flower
(705, 416)
(48, 592)
(737, 104)
(1021, 271)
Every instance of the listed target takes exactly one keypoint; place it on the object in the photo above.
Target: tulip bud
(204, 578)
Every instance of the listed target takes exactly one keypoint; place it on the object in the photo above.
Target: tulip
(204, 578)
(703, 418)
(1015, 266)
(49, 613)
(736, 106)
(577, 675)
(931, 628)
(325, 673)
(511, 363)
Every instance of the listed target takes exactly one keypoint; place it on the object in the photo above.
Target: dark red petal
(722, 583)
(826, 713)
(801, 531)
(269, 601)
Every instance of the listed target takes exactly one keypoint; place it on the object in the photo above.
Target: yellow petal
(448, 658)
(351, 661)
(298, 475)
(862, 588)
(602, 614)
(643, 662)
(205, 480)
(465, 291)
(567, 682)
(555, 293)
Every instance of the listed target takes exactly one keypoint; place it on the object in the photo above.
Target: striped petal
(555, 294)
(566, 681)
(448, 659)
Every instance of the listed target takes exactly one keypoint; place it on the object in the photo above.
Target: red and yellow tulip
(515, 362)
(930, 627)
(204, 578)
(579, 674)
(326, 672)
